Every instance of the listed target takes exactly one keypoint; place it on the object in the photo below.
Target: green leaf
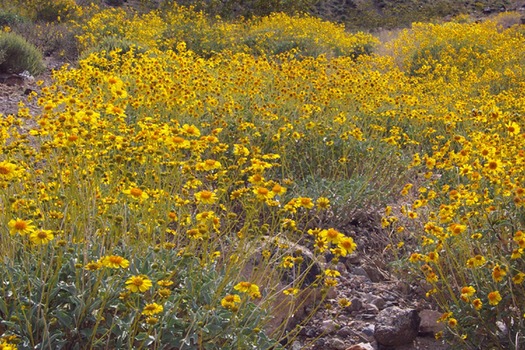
(145, 338)
(65, 319)
(3, 307)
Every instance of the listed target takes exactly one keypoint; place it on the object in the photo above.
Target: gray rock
(356, 305)
(379, 302)
(311, 333)
(351, 260)
(328, 326)
(319, 343)
(390, 297)
(357, 282)
(371, 308)
(395, 326)
(359, 271)
(403, 287)
(343, 319)
(429, 323)
(502, 328)
(361, 346)
(391, 303)
(368, 316)
(345, 332)
(369, 330)
(374, 274)
(297, 345)
(335, 344)
(331, 293)
(341, 268)
(11, 79)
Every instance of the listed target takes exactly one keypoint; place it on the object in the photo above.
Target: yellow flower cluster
(210, 153)
(468, 211)
(269, 35)
(47, 10)
(280, 32)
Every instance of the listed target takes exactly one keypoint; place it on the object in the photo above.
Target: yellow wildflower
(249, 288)
(41, 236)
(291, 291)
(206, 197)
(494, 298)
(139, 283)
(331, 235)
(114, 262)
(230, 301)
(152, 309)
(136, 193)
(20, 226)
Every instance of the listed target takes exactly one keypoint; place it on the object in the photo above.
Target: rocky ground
(385, 312)
(11, 95)
(15, 89)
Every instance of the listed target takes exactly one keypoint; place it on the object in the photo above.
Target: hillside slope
(359, 14)
(397, 13)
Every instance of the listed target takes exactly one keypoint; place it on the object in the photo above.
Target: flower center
(263, 191)
(135, 192)
(20, 225)
(115, 259)
(206, 194)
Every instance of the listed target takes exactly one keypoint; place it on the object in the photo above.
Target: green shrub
(19, 55)
(65, 299)
(51, 38)
(8, 18)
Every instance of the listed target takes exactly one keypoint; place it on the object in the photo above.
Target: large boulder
(395, 326)
(429, 325)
